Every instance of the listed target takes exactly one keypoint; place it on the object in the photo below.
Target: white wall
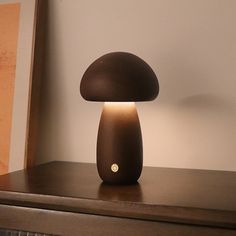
(190, 44)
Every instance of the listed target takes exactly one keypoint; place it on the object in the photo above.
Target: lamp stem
(119, 144)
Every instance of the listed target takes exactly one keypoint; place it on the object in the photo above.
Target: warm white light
(119, 103)
(122, 108)
(119, 106)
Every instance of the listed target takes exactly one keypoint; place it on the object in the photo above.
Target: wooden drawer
(63, 198)
(68, 223)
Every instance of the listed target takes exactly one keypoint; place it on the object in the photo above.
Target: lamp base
(119, 144)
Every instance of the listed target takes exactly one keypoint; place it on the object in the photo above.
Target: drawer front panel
(68, 223)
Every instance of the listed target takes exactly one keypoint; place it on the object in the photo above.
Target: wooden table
(65, 198)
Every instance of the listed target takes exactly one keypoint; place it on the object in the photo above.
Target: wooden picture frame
(21, 66)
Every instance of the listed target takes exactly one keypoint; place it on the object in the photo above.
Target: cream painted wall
(190, 44)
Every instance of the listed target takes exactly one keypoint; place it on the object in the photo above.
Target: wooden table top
(202, 197)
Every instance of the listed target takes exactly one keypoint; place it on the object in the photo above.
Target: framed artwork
(21, 33)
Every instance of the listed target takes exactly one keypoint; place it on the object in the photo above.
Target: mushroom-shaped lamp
(119, 79)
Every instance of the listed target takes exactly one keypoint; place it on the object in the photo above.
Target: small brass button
(114, 167)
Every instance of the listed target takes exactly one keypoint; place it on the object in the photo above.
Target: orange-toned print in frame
(9, 26)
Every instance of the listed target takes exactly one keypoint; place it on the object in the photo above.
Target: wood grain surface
(187, 196)
(69, 223)
(37, 73)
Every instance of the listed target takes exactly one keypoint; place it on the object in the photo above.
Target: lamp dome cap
(119, 77)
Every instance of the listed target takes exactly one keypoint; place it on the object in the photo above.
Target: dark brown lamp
(119, 79)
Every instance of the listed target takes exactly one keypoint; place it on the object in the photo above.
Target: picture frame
(21, 66)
